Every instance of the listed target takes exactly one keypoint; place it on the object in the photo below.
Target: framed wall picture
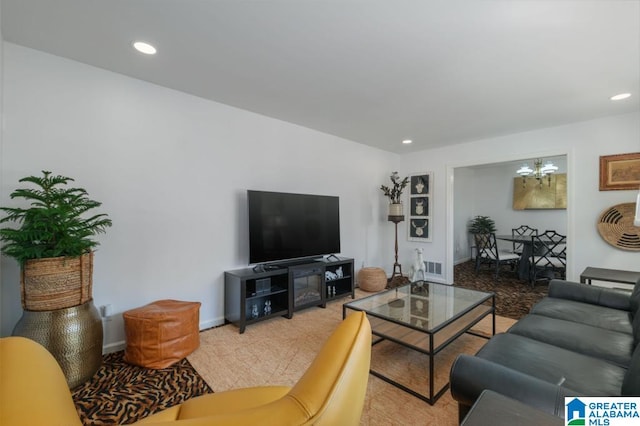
(420, 208)
(529, 193)
(621, 171)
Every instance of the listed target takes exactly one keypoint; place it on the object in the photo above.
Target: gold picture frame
(548, 193)
(620, 171)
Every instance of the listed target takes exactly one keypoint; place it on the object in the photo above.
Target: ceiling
(438, 72)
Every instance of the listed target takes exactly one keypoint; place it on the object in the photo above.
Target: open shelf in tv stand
(247, 291)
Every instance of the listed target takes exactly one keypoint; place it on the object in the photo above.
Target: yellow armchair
(33, 389)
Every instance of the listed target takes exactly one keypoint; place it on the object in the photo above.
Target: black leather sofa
(580, 340)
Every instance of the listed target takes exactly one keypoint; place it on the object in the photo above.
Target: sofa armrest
(470, 375)
(594, 295)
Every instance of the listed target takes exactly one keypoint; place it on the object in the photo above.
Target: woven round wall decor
(616, 227)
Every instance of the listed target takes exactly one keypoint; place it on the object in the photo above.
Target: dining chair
(548, 257)
(487, 253)
(522, 230)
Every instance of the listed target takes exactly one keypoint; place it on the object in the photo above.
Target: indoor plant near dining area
(52, 241)
(482, 225)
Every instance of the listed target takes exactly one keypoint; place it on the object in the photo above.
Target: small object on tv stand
(265, 267)
(330, 276)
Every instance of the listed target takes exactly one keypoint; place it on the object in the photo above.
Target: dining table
(527, 250)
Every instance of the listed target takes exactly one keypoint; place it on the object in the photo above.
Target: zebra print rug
(120, 393)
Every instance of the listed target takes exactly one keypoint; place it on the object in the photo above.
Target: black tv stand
(272, 290)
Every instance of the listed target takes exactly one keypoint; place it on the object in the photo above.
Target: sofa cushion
(635, 306)
(635, 299)
(636, 329)
(592, 294)
(582, 373)
(594, 315)
(585, 339)
(631, 382)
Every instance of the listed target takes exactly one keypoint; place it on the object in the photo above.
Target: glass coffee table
(425, 318)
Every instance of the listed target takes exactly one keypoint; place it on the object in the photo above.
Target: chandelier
(539, 171)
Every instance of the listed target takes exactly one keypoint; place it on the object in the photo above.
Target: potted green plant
(53, 242)
(482, 225)
(394, 193)
(54, 246)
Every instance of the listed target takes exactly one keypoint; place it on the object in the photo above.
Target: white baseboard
(113, 347)
(211, 323)
(463, 260)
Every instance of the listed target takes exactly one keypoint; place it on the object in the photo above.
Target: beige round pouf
(372, 279)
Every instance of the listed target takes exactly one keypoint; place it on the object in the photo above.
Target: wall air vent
(433, 268)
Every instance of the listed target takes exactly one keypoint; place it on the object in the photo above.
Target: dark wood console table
(609, 275)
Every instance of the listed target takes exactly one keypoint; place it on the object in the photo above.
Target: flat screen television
(284, 226)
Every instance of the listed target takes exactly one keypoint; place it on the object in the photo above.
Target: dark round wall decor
(616, 227)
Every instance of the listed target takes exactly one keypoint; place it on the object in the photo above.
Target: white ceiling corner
(376, 72)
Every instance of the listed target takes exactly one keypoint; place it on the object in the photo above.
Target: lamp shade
(524, 170)
(549, 168)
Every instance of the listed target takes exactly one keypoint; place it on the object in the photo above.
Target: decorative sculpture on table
(418, 266)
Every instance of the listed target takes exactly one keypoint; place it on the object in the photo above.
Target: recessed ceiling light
(621, 96)
(145, 48)
(407, 141)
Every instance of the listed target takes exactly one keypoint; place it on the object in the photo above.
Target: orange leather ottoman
(161, 333)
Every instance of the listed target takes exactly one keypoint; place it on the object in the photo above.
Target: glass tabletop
(422, 305)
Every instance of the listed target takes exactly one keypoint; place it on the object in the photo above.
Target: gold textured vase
(72, 335)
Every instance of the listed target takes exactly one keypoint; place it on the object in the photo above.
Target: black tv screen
(286, 226)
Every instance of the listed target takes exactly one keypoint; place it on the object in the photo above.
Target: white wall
(582, 142)
(463, 205)
(1, 144)
(172, 172)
